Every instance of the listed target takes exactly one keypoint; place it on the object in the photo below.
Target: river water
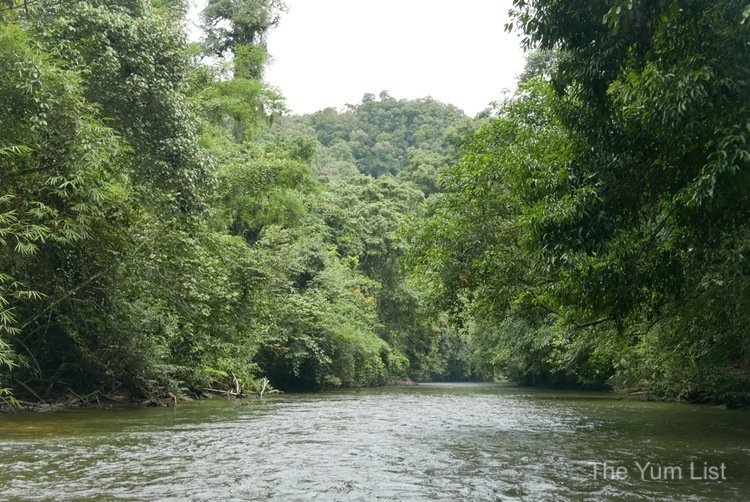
(431, 442)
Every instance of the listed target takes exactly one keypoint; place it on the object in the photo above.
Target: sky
(331, 52)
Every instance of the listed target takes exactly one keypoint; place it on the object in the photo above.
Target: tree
(230, 24)
(627, 223)
(59, 161)
(540, 63)
(135, 63)
(382, 133)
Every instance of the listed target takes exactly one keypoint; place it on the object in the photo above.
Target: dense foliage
(158, 235)
(381, 135)
(596, 229)
(165, 227)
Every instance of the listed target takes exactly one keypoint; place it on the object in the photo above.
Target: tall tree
(598, 225)
(234, 23)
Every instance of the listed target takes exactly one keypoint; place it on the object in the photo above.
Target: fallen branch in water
(224, 392)
(84, 400)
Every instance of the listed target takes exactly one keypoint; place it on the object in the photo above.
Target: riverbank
(100, 399)
(426, 442)
(96, 399)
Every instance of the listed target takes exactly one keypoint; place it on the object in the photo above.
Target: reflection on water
(432, 442)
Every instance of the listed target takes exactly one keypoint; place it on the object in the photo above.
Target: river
(431, 442)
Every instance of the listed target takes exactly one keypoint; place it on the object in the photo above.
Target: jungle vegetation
(167, 226)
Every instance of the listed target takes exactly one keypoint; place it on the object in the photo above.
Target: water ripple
(439, 442)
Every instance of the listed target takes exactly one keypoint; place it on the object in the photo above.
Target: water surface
(432, 442)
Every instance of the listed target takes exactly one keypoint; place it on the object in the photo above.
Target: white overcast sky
(331, 52)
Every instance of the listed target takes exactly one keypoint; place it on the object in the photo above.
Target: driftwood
(86, 400)
(238, 392)
(42, 407)
(641, 395)
(74, 400)
(230, 393)
(237, 387)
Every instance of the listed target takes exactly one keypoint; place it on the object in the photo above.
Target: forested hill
(381, 135)
(167, 227)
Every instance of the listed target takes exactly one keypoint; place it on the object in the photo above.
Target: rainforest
(169, 230)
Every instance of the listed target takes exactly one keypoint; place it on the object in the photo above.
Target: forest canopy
(596, 229)
(167, 227)
(160, 235)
